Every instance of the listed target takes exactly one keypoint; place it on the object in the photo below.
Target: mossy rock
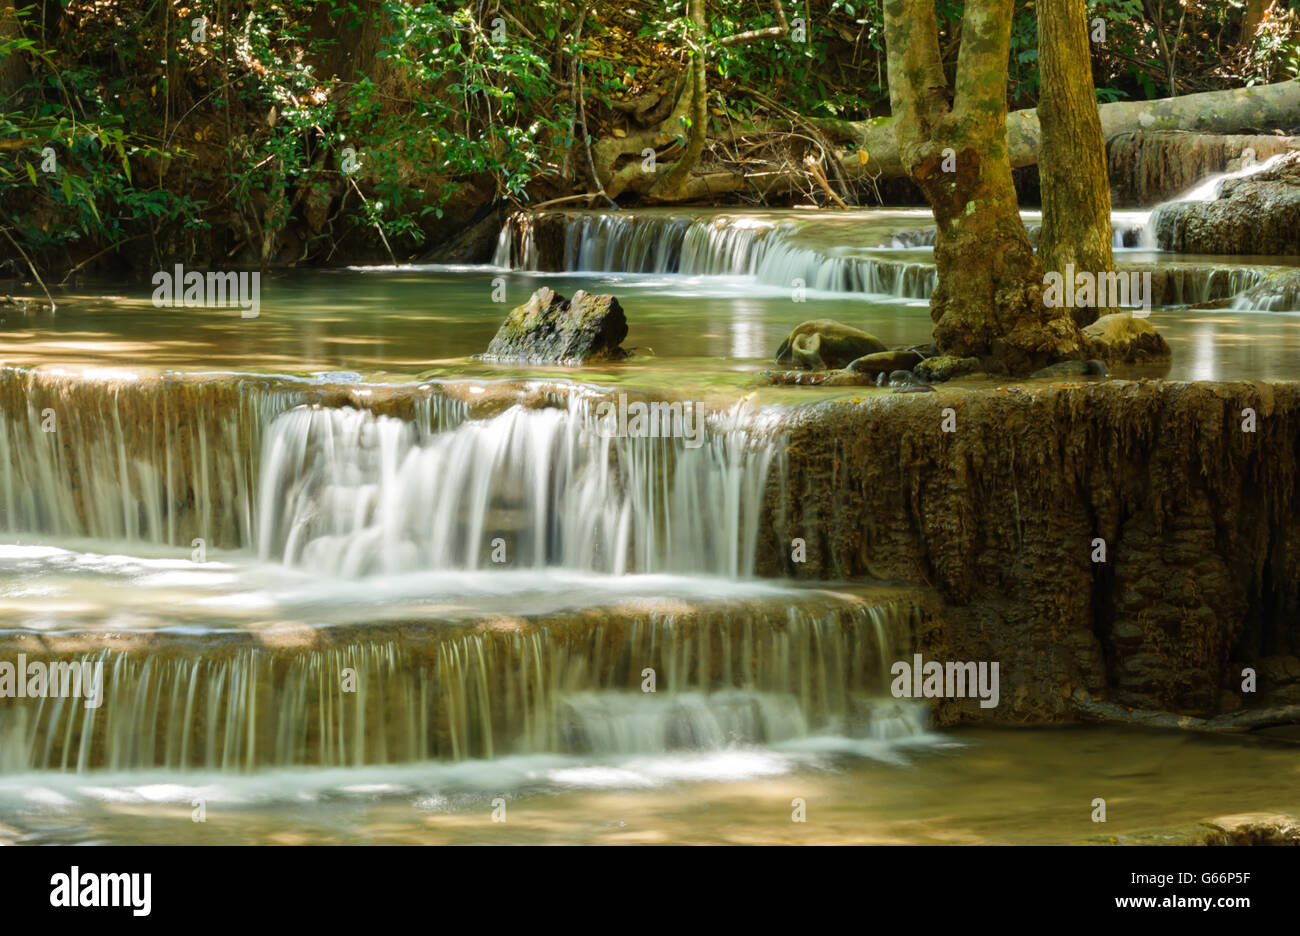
(1123, 337)
(825, 344)
(549, 329)
(946, 367)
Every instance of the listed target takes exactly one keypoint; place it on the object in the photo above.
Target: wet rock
(848, 378)
(549, 329)
(789, 378)
(1196, 572)
(885, 362)
(1092, 368)
(1123, 337)
(1257, 214)
(904, 378)
(945, 367)
(824, 344)
(915, 388)
(474, 242)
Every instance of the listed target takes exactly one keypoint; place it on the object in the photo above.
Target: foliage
(377, 120)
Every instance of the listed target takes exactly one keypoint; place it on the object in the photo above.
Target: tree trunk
(1273, 105)
(1072, 155)
(989, 301)
(1253, 17)
(13, 68)
(671, 183)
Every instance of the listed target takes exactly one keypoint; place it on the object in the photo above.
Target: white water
(769, 252)
(347, 493)
(344, 492)
(822, 257)
(755, 674)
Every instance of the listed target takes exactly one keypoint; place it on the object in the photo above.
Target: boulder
(824, 344)
(549, 329)
(1122, 337)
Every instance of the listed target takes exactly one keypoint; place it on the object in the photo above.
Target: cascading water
(412, 486)
(784, 255)
(572, 685)
(347, 493)
(167, 460)
(1207, 190)
(720, 246)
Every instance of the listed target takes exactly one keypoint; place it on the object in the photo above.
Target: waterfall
(110, 455)
(782, 254)
(345, 492)
(1205, 191)
(772, 253)
(572, 684)
(396, 482)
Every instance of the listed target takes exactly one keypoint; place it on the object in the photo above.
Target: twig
(31, 266)
(567, 198)
(98, 255)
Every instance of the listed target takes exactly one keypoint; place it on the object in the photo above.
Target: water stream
(346, 583)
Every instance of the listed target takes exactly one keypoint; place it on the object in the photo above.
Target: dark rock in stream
(884, 362)
(905, 378)
(1092, 368)
(549, 329)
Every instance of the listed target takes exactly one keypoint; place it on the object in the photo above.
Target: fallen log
(1263, 106)
(1233, 723)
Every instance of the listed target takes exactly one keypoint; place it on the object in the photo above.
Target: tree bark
(1253, 17)
(1273, 105)
(671, 183)
(674, 182)
(1072, 154)
(13, 69)
(989, 301)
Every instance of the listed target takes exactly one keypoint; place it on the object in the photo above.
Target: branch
(754, 35)
(31, 266)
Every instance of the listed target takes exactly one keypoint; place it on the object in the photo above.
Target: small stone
(904, 378)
